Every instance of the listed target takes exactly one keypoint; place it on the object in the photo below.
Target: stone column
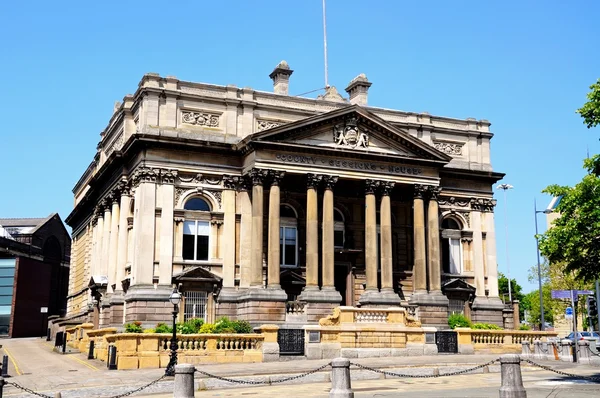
(492, 263)
(478, 254)
(165, 265)
(123, 238)
(371, 235)
(142, 269)
(94, 250)
(228, 241)
(312, 233)
(258, 176)
(245, 233)
(274, 245)
(386, 238)
(328, 244)
(433, 240)
(105, 239)
(113, 243)
(419, 270)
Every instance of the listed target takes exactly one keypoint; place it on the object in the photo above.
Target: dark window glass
(188, 247)
(196, 204)
(287, 241)
(338, 238)
(202, 248)
(337, 215)
(449, 223)
(286, 211)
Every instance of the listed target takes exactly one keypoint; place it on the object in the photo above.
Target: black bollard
(91, 350)
(1, 386)
(48, 335)
(64, 343)
(5, 366)
(112, 357)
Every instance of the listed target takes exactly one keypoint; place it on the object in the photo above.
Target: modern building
(34, 274)
(257, 204)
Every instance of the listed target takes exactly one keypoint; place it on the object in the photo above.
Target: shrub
(458, 321)
(224, 324)
(149, 330)
(242, 327)
(163, 328)
(485, 326)
(207, 328)
(195, 324)
(524, 327)
(133, 327)
(185, 328)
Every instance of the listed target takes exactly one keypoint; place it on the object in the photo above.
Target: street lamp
(537, 244)
(506, 187)
(174, 298)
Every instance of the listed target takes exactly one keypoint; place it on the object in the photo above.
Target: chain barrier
(458, 372)
(593, 353)
(268, 382)
(30, 391)
(560, 372)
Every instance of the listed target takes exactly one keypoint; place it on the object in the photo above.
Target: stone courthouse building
(261, 205)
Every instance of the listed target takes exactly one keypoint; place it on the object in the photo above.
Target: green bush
(150, 330)
(207, 328)
(224, 325)
(524, 327)
(163, 328)
(242, 327)
(485, 326)
(133, 327)
(458, 321)
(195, 324)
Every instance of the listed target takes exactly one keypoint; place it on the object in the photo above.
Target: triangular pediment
(458, 285)
(350, 129)
(198, 274)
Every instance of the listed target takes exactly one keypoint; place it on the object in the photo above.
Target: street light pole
(539, 266)
(175, 298)
(506, 187)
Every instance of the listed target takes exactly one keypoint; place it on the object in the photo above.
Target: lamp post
(175, 298)
(506, 187)
(539, 266)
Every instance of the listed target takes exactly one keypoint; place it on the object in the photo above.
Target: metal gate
(291, 341)
(447, 342)
(194, 305)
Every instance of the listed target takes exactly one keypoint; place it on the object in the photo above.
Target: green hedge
(485, 326)
(458, 321)
(195, 325)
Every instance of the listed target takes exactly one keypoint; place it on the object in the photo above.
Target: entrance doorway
(343, 282)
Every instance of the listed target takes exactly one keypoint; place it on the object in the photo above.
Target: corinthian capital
(371, 186)
(419, 191)
(258, 176)
(313, 180)
(276, 176)
(434, 192)
(386, 187)
(330, 181)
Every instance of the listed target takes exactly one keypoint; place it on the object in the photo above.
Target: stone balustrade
(347, 315)
(497, 341)
(295, 307)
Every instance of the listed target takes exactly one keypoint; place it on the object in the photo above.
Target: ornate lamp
(175, 299)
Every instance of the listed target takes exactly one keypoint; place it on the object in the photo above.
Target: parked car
(584, 336)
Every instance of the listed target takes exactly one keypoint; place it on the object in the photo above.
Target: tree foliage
(534, 312)
(590, 111)
(574, 238)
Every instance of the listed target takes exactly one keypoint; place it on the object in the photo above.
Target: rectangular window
(288, 246)
(7, 272)
(455, 256)
(195, 305)
(456, 306)
(338, 239)
(196, 240)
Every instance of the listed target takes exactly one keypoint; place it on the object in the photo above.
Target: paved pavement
(35, 366)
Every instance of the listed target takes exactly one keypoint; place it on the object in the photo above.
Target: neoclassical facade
(273, 208)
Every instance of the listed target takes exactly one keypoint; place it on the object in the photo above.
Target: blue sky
(523, 65)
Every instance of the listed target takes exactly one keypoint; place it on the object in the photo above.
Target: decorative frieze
(262, 125)
(196, 178)
(483, 204)
(349, 135)
(204, 119)
(178, 193)
(168, 176)
(467, 216)
(450, 148)
(217, 195)
(454, 201)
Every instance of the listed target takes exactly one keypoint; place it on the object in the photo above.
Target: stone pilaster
(165, 265)
(492, 264)
(258, 177)
(245, 232)
(105, 238)
(328, 243)
(123, 238)
(478, 254)
(433, 240)
(274, 245)
(312, 233)
(371, 259)
(228, 242)
(142, 270)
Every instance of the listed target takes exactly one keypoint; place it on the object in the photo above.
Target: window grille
(456, 306)
(194, 305)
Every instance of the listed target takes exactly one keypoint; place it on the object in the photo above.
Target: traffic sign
(569, 311)
(584, 292)
(561, 294)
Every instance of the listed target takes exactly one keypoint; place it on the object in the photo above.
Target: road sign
(44, 310)
(561, 294)
(584, 292)
(569, 311)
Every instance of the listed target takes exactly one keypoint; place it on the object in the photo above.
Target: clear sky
(523, 65)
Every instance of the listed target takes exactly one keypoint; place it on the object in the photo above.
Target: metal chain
(560, 372)
(593, 353)
(30, 391)
(458, 372)
(254, 382)
(125, 394)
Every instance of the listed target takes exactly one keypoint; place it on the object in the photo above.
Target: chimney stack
(357, 89)
(281, 78)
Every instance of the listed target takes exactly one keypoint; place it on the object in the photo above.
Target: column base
(326, 295)
(373, 297)
(488, 310)
(260, 306)
(149, 305)
(432, 308)
(116, 308)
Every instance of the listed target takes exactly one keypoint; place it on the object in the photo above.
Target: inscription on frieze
(358, 165)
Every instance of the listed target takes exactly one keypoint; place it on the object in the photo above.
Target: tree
(590, 111)
(574, 238)
(516, 292)
(534, 313)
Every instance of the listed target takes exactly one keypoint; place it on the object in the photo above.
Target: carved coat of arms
(350, 135)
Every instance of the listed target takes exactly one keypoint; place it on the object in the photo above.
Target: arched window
(339, 229)
(196, 230)
(452, 255)
(288, 236)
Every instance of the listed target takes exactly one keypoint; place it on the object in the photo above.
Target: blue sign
(569, 311)
(561, 294)
(584, 292)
